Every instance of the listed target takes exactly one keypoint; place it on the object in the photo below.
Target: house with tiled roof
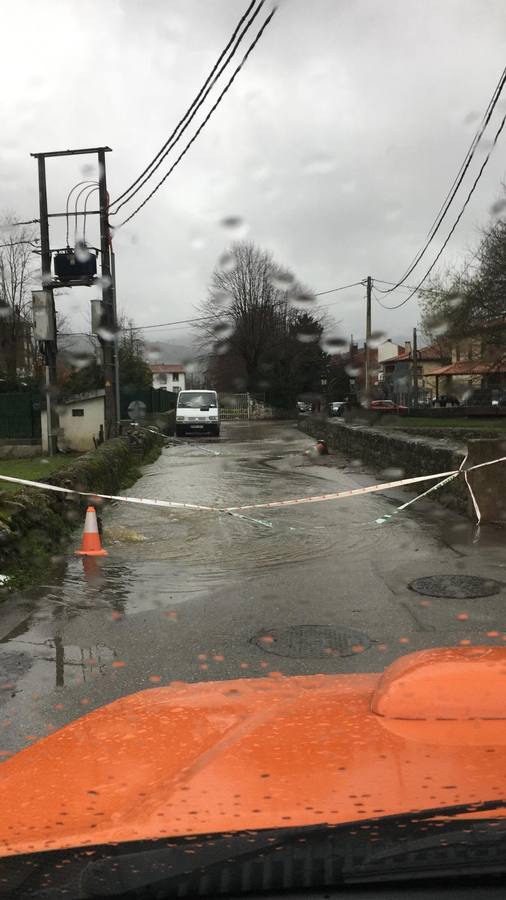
(396, 373)
(477, 369)
(169, 376)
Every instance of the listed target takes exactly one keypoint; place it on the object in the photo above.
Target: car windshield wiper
(427, 843)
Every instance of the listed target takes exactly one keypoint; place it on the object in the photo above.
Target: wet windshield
(252, 445)
(196, 401)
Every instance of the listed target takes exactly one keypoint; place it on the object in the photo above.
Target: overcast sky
(336, 144)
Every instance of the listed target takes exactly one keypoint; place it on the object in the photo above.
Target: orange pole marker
(91, 545)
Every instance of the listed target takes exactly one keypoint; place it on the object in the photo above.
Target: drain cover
(456, 586)
(305, 641)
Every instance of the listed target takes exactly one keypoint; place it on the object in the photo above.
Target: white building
(168, 377)
(388, 350)
(81, 421)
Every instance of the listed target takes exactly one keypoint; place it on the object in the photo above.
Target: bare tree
(16, 277)
(254, 326)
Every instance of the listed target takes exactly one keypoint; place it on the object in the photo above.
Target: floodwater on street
(188, 595)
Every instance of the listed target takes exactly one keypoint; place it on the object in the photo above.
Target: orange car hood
(265, 753)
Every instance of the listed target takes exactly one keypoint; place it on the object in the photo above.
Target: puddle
(39, 666)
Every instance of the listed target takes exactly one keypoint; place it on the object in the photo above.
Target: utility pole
(414, 353)
(62, 278)
(50, 346)
(116, 344)
(368, 340)
(109, 318)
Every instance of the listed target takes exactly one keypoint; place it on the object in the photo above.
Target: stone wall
(35, 524)
(413, 455)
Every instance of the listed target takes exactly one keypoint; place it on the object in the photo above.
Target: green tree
(134, 370)
(470, 302)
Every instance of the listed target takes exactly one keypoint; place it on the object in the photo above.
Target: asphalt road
(194, 596)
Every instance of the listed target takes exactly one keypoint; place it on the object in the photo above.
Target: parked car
(303, 407)
(337, 407)
(387, 406)
(447, 400)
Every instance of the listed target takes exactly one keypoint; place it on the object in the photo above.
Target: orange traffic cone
(91, 545)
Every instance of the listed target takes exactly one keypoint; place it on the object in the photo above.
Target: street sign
(137, 410)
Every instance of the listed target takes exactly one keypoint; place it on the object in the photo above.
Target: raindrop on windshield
(4, 310)
(153, 353)
(307, 337)
(222, 348)
(226, 262)
(107, 334)
(440, 327)
(221, 297)
(302, 298)
(82, 252)
(498, 207)
(80, 360)
(352, 371)
(471, 117)
(332, 343)
(223, 329)
(281, 280)
(104, 281)
(235, 224)
(376, 338)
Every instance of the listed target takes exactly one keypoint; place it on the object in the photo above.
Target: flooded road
(190, 595)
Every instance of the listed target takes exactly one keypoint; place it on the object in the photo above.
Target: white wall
(387, 350)
(166, 381)
(77, 432)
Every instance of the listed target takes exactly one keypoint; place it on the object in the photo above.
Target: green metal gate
(20, 417)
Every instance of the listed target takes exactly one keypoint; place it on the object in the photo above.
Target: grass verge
(35, 469)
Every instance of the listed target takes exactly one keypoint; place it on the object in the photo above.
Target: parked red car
(388, 406)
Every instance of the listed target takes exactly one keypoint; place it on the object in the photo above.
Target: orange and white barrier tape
(441, 477)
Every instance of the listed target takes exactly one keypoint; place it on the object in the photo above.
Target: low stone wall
(35, 524)
(20, 451)
(387, 451)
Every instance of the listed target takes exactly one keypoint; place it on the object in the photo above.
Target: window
(78, 412)
(162, 379)
(175, 376)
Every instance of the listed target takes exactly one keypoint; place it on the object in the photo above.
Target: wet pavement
(191, 596)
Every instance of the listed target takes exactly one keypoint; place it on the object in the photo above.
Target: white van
(197, 411)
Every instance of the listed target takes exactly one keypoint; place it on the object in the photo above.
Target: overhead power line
(403, 287)
(205, 121)
(191, 112)
(457, 220)
(342, 287)
(455, 186)
(479, 133)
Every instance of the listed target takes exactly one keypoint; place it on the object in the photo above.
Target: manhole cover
(455, 586)
(304, 641)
